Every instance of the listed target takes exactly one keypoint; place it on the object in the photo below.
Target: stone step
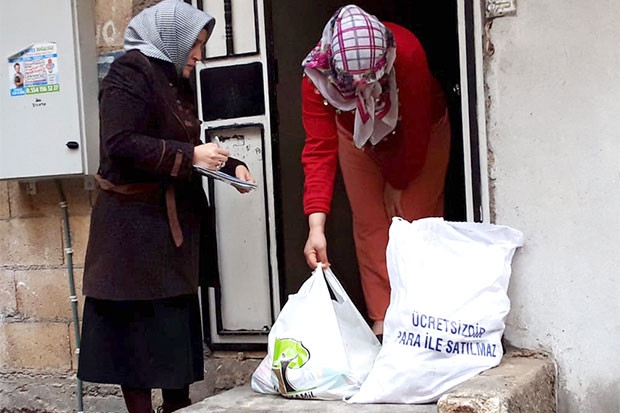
(524, 382)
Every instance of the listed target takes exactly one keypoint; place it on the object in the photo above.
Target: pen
(217, 140)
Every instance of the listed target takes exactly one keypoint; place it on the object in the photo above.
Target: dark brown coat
(148, 134)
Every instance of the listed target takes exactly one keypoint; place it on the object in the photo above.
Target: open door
(249, 96)
(297, 27)
(233, 104)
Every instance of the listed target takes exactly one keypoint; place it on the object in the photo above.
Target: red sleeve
(413, 80)
(320, 154)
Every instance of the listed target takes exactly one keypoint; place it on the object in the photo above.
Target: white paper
(224, 177)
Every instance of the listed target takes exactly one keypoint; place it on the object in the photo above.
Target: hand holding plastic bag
(319, 348)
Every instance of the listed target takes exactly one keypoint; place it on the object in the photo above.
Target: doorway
(296, 27)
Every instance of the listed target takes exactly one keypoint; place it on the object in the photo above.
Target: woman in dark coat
(141, 325)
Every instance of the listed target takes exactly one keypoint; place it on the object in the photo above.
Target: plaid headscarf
(167, 31)
(353, 68)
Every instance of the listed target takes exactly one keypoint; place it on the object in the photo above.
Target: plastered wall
(554, 134)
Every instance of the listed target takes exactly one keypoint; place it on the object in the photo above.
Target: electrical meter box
(48, 89)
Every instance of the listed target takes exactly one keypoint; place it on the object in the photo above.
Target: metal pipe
(73, 296)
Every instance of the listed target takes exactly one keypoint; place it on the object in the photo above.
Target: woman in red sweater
(369, 101)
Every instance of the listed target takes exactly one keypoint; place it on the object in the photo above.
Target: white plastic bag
(319, 348)
(447, 308)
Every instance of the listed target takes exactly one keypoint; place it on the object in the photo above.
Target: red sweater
(402, 155)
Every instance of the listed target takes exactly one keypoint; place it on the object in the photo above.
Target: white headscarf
(167, 31)
(353, 68)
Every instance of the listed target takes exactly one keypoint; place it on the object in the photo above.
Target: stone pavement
(523, 383)
(244, 399)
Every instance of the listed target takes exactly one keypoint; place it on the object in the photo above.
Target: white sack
(447, 308)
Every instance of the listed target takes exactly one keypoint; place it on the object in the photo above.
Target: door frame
(470, 19)
(473, 109)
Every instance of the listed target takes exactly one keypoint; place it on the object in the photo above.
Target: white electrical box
(48, 89)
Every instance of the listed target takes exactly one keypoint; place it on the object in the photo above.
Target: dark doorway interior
(297, 27)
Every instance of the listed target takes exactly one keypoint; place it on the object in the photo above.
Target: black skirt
(142, 344)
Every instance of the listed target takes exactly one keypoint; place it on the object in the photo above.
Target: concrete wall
(554, 134)
(112, 17)
(35, 312)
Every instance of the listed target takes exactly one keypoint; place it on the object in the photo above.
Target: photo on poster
(34, 70)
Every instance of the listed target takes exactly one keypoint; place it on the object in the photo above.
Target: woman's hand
(242, 173)
(392, 201)
(316, 245)
(210, 155)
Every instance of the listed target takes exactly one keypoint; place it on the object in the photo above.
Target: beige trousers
(364, 183)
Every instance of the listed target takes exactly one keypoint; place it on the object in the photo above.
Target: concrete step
(523, 383)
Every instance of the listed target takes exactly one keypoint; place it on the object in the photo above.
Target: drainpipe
(73, 296)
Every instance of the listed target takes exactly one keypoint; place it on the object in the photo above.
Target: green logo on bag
(289, 354)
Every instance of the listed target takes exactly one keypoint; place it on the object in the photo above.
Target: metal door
(233, 103)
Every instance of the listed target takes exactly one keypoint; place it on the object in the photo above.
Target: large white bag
(319, 347)
(447, 308)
